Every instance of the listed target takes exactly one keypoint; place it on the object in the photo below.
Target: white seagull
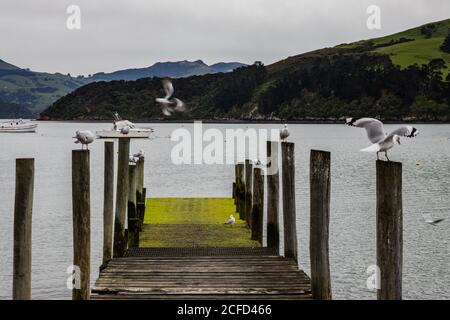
(125, 130)
(168, 104)
(140, 154)
(231, 221)
(284, 133)
(85, 138)
(382, 141)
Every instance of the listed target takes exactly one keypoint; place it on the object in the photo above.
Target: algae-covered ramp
(193, 222)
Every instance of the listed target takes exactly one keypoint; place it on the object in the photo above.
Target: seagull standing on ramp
(382, 141)
(284, 133)
(231, 221)
(168, 104)
(85, 138)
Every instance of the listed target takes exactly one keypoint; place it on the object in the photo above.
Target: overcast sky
(137, 33)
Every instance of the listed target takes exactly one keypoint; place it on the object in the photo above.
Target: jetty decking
(186, 252)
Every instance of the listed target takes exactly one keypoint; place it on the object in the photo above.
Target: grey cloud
(135, 33)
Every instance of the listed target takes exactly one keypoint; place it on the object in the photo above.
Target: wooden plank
(273, 195)
(320, 186)
(81, 222)
(389, 229)
(289, 210)
(108, 202)
(257, 205)
(120, 237)
(248, 191)
(23, 210)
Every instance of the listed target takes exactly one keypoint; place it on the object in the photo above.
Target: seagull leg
(386, 156)
(378, 156)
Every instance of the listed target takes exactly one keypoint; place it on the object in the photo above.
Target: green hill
(414, 46)
(402, 76)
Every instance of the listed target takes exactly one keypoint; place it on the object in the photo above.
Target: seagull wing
(374, 128)
(405, 131)
(168, 88)
(180, 106)
(437, 221)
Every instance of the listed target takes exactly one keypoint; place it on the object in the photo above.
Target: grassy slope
(26, 88)
(420, 51)
(193, 222)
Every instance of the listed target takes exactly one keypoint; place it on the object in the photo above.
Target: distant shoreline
(252, 121)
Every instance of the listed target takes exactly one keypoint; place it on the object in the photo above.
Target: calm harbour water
(426, 189)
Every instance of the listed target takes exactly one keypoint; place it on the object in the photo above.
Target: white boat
(17, 126)
(118, 124)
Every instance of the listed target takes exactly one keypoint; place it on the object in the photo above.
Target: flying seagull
(168, 104)
(382, 141)
(231, 221)
(85, 138)
(430, 220)
(284, 133)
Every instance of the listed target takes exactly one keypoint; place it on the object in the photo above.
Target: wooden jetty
(185, 251)
(180, 248)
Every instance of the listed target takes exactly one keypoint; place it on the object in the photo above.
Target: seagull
(125, 130)
(382, 141)
(85, 138)
(284, 133)
(168, 105)
(132, 159)
(140, 154)
(231, 221)
(257, 162)
(430, 220)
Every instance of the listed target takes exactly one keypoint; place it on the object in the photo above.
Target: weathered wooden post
(273, 196)
(236, 186)
(23, 210)
(389, 229)
(257, 205)
(140, 195)
(120, 236)
(140, 164)
(108, 202)
(81, 222)
(141, 208)
(240, 190)
(289, 211)
(133, 220)
(233, 192)
(320, 186)
(248, 192)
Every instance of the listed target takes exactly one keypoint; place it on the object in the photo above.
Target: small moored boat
(118, 124)
(17, 126)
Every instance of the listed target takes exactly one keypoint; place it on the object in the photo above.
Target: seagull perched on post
(140, 154)
(382, 141)
(284, 133)
(125, 130)
(168, 104)
(85, 138)
(231, 221)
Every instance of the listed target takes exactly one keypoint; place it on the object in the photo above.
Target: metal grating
(199, 251)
